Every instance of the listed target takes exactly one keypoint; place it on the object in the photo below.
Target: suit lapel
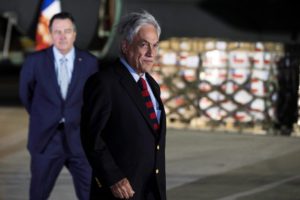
(154, 88)
(133, 91)
(78, 61)
(156, 91)
(51, 73)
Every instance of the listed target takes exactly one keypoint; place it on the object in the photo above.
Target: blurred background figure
(288, 86)
(51, 85)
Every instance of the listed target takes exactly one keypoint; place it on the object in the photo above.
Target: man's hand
(122, 189)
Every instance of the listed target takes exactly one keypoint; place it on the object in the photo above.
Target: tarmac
(200, 164)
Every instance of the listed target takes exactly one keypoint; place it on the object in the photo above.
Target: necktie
(148, 103)
(63, 77)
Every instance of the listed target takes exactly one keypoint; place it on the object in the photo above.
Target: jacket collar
(132, 89)
(50, 70)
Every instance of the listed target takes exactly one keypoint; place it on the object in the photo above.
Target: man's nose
(151, 51)
(62, 35)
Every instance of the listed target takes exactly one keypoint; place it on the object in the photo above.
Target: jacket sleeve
(27, 83)
(95, 114)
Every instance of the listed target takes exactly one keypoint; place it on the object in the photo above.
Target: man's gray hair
(131, 24)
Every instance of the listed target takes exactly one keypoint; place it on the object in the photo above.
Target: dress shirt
(136, 78)
(70, 64)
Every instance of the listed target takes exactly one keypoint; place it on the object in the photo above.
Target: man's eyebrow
(143, 40)
(63, 29)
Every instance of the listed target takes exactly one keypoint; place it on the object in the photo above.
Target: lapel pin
(79, 59)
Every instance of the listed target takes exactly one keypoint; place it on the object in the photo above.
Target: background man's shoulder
(36, 54)
(86, 54)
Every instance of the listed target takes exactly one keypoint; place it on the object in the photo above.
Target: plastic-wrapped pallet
(224, 84)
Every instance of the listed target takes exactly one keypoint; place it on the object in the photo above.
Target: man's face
(141, 52)
(63, 35)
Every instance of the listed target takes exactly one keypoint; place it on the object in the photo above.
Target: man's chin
(148, 64)
(147, 68)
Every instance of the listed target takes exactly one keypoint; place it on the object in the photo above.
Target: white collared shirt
(136, 78)
(70, 64)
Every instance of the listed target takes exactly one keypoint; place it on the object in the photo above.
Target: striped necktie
(148, 103)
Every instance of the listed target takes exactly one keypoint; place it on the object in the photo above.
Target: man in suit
(123, 126)
(51, 87)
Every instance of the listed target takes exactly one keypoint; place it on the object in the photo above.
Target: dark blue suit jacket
(40, 93)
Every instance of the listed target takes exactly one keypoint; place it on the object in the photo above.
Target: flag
(48, 9)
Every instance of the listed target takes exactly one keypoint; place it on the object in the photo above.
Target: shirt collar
(70, 55)
(135, 75)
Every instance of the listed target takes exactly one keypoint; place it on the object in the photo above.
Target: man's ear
(124, 46)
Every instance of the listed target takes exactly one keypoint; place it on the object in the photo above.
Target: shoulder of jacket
(36, 54)
(84, 53)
